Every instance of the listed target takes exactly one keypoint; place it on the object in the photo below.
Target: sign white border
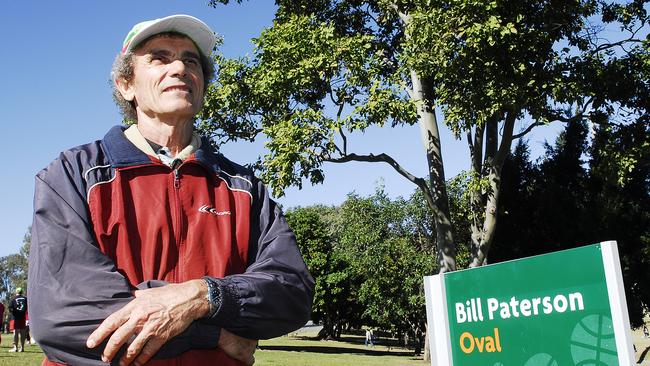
(438, 322)
(617, 303)
(435, 295)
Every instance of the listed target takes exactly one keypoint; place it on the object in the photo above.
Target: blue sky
(56, 61)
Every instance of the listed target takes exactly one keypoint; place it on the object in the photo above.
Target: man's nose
(178, 68)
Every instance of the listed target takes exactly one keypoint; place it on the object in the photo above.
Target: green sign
(559, 309)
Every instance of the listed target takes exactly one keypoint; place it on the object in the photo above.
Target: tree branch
(491, 139)
(371, 158)
(506, 140)
(477, 152)
(345, 142)
(553, 117)
(470, 143)
(621, 44)
(527, 130)
(403, 16)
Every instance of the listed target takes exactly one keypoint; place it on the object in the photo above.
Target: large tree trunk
(328, 331)
(485, 234)
(431, 139)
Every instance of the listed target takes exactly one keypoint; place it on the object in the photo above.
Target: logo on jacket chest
(213, 211)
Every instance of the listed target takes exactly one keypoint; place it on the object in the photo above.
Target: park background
(56, 95)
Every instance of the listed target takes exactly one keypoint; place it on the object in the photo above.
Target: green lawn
(283, 351)
(298, 351)
(31, 357)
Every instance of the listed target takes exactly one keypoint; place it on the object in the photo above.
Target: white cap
(188, 25)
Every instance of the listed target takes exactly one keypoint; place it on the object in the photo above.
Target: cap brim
(190, 26)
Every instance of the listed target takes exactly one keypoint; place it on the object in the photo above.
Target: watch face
(214, 295)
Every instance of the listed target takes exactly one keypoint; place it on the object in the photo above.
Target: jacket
(109, 218)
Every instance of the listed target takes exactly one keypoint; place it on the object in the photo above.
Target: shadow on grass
(336, 350)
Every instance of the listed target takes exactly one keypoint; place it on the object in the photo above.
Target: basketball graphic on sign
(593, 343)
(542, 359)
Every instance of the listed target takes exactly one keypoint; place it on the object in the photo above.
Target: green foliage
(368, 257)
(574, 196)
(335, 301)
(619, 207)
(489, 57)
(326, 68)
(383, 248)
(13, 270)
(303, 70)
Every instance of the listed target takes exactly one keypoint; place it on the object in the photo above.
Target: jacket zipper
(178, 221)
(177, 178)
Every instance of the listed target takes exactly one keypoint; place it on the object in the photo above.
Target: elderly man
(148, 246)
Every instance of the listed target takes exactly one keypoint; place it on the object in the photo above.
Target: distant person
(370, 338)
(2, 319)
(149, 246)
(18, 308)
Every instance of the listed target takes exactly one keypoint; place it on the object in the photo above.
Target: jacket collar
(123, 153)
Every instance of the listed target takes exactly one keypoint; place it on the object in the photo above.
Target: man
(18, 308)
(152, 206)
(369, 337)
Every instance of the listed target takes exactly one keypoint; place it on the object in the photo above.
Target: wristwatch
(214, 295)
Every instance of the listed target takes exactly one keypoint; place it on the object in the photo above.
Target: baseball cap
(188, 25)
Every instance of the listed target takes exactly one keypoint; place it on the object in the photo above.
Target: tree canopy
(496, 69)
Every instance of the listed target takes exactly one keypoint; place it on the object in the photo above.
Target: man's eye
(191, 61)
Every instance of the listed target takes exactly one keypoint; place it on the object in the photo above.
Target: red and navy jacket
(109, 218)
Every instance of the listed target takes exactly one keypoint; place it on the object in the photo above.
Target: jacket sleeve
(72, 285)
(274, 295)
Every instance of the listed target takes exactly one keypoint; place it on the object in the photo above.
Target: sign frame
(438, 314)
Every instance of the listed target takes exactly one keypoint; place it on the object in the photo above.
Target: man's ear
(125, 88)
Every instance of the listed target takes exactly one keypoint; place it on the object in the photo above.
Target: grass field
(302, 351)
(32, 355)
(283, 351)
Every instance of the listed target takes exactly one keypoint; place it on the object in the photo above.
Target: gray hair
(123, 69)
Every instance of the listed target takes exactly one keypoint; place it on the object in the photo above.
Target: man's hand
(239, 348)
(155, 316)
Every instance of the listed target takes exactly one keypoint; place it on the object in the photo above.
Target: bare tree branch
(476, 147)
(527, 130)
(506, 140)
(371, 158)
(345, 141)
(470, 143)
(621, 43)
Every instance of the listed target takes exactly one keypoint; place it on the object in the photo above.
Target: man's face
(167, 78)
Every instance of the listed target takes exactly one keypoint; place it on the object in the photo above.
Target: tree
(13, 270)
(388, 251)
(515, 236)
(619, 200)
(577, 194)
(335, 301)
(326, 69)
